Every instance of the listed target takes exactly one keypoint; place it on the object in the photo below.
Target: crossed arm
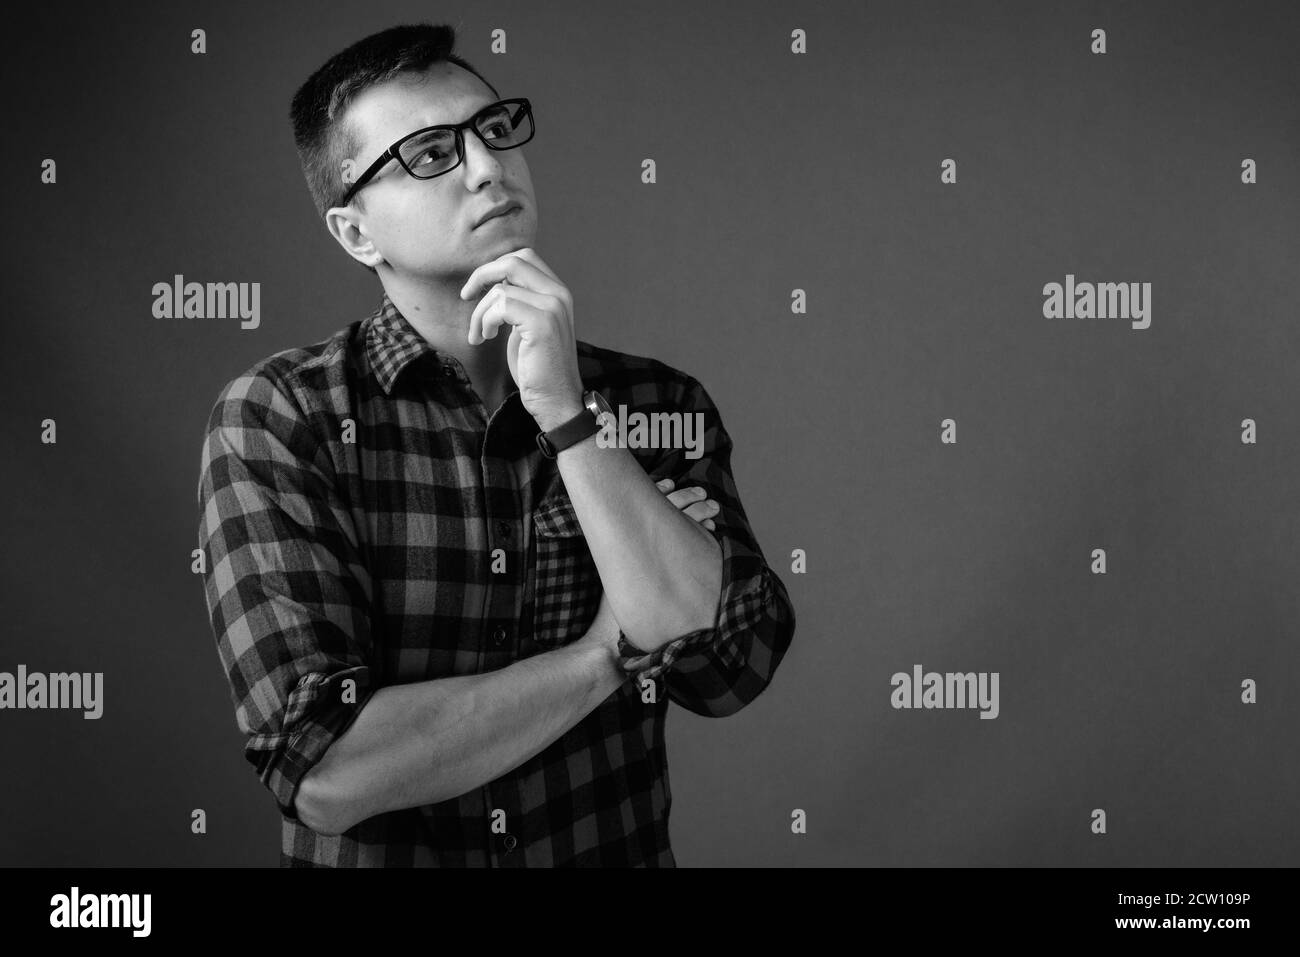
(332, 761)
(429, 741)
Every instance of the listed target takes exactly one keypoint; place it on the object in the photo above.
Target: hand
(692, 501)
(524, 293)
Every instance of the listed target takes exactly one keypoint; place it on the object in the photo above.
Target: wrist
(601, 661)
(554, 415)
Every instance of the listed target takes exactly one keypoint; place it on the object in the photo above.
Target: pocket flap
(556, 518)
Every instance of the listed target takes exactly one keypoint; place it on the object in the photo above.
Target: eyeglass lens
(431, 153)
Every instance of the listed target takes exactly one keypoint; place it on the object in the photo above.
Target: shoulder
(636, 380)
(288, 383)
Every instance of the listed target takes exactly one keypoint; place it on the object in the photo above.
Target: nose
(480, 162)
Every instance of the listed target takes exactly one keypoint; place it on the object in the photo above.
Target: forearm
(429, 741)
(661, 570)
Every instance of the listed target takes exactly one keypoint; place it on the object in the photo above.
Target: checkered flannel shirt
(351, 496)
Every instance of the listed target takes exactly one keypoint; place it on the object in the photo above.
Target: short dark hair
(322, 137)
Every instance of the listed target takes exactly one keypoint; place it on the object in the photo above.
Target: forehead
(444, 93)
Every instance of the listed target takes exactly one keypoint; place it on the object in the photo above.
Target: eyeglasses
(435, 150)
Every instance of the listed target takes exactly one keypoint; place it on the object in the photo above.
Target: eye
(429, 156)
(432, 149)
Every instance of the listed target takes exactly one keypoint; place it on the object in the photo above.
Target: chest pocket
(568, 588)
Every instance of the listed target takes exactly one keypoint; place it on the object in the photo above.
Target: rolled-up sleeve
(286, 590)
(717, 671)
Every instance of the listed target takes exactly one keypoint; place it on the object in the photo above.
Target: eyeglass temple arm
(364, 178)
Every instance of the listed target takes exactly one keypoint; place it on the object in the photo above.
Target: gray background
(776, 172)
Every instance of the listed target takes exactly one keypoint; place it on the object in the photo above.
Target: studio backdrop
(995, 301)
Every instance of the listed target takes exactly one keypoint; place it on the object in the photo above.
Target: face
(426, 227)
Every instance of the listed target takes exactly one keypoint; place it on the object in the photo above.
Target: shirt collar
(392, 343)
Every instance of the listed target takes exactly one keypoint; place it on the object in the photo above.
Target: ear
(345, 225)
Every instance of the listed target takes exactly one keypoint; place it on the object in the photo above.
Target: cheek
(415, 227)
(418, 212)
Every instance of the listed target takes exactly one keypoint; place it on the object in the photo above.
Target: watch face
(594, 398)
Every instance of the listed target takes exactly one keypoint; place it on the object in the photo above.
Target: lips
(497, 211)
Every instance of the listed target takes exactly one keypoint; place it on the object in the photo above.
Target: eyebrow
(431, 125)
(467, 119)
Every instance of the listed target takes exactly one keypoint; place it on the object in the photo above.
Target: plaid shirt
(351, 496)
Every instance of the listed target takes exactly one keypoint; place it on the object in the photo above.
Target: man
(451, 616)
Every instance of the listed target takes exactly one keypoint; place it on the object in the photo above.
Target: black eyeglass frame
(394, 152)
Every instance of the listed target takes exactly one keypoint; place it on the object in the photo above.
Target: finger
(689, 498)
(502, 290)
(702, 510)
(507, 293)
(482, 279)
(708, 523)
(479, 317)
(683, 497)
(529, 254)
(561, 291)
(664, 484)
(509, 308)
(476, 317)
(556, 288)
(520, 272)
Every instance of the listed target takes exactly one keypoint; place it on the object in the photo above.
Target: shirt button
(509, 842)
(503, 529)
(499, 635)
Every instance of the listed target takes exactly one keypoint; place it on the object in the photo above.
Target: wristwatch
(587, 422)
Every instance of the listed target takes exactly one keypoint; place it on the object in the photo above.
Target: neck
(436, 311)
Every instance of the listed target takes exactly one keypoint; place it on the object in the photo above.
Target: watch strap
(568, 433)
